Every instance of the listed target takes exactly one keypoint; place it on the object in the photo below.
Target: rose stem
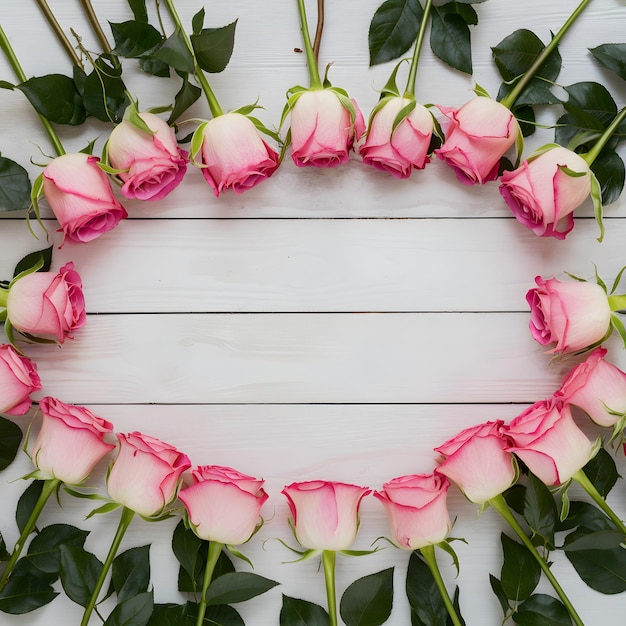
(410, 85)
(581, 478)
(125, 519)
(215, 549)
(314, 74)
(318, 31)
(500, 505)
(214, 105)
(54, 24)
(328, 561)
(49, 487)
(428, 552)
(19, 73)
(509, 100)
(592, 155)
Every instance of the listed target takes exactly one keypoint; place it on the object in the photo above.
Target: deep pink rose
(477, 460)
(322, 133)
(478, 135)
(417, 509)
(398, 150)
(542, 195)
(153, 164)
(546, 438)
(325, 514)
(233, 154)
(70, 442)
(80, 195)
(146, 474)
(18, 379)
(595, 386)
(223, 504)
(573, 315)
(47, 304)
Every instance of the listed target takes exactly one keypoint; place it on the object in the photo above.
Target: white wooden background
(333, 324)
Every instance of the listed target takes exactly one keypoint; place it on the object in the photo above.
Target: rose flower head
(18, 380)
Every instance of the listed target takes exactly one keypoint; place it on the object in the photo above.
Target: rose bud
(146, 474)
(417, 509)
(152, 164)
(477, 460)
(322, 129)
(546, 438)
(47, 304)
(478, 135)
(18, 379)
(574, 315)
(597, 387)
(70, 442)
(233, 155)
(398, 150)
(325, 514)
(544, 191)
(223, 505)
(80, 195)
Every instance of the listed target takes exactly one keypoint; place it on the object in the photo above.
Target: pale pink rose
(223, 504)
(546, 438)
(325, 514)
(80, 195)
(595, 386)
(70, 442)
(322, 133)
(233, 154)
(47, 304)
(18, 379)
(574, 315)
(146, 474)
(153, 164)
(398, 150)
(417, 509)
(477, 136)
(542, 196)
(478, 462)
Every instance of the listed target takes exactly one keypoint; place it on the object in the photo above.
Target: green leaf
(187, 548)
(43, 551)
(197, 22)
(540, 510)
(213, 47)
(296, 612)
(368, 600)
(393, 29)
(104, 92)
(520, 571)
(32, 259)
(10, 439)
(222, 615)
(4, 555)
(515, 497)
(134, 38)
(138, 7)
(602, 472)
(186, 96)
(450, 38)
(609, 170)
(237, 587)
(15, 186)
(423, 595)
(168, 615)
(56, 98)
(23, 594)
(26, 503)
(79, 573)
(223, 566)
(154, 67)
(542, 610)
(130, 572)
(175, 53)
(596, 540)
(135, 611)
(612, 56)
(496, 587)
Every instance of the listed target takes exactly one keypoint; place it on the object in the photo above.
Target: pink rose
(18, 379)
(233, 154)
(477, 460)
(322, 133)
(573, 315)
(398, 150)
(146, 474)
(595, 386)
(223, 504)
(541, 193)
(478, 135)
(417, 509)
(548, 441)
(80, 195)
(47, 304)
(153, 165)
(70, 442)
(325, 514)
